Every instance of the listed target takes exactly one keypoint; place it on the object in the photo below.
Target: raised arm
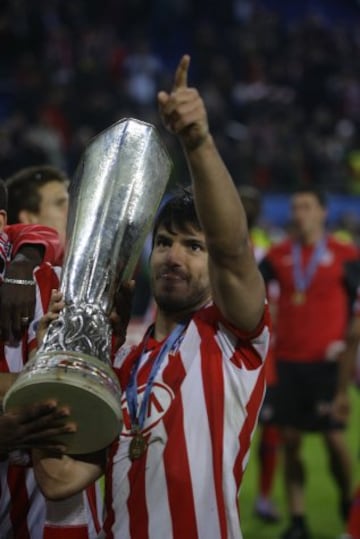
(237, 286)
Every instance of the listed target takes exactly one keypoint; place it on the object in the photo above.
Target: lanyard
(131, 390)
(303, 277)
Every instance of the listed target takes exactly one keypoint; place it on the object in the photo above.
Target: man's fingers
(40, 426)
(48, 432)
(55, 306)
(56, 301)
(163, 98)
(42, 412)
(181, 73)
(47, 435)
(48, 423)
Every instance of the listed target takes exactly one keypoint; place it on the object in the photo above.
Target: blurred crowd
(283, 98)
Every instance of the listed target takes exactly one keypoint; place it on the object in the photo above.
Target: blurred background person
(349, 373)
(313, 271)
(269, 437)
(39, 195)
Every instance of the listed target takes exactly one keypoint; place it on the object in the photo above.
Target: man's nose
(174, 253)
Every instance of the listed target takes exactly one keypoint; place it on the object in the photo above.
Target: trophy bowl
(86, 385)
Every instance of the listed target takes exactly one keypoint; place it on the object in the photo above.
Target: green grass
(321, 492)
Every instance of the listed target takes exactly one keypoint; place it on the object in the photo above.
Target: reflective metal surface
(114, 196)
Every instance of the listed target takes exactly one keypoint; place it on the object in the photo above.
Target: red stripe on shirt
(213, 377)
(176, 464)
(252, 408)
(92, 495)
(246, 357)
(47, 281)
(16, 478)
(138, 519)
(66, 532)
(4, 367)
(109, 495)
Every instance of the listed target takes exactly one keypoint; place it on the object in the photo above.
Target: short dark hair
(318, 193)
(23, 188)
(3, 196)
(178, 212)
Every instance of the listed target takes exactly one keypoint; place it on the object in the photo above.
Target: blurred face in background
(308, 216)
(53, 208)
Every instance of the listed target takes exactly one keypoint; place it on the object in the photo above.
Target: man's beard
(178, 303)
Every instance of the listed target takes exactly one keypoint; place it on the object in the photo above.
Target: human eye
(195, 246)
(162, 241)
(61, 202)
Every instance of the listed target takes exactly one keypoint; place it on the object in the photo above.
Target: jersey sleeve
(21, 234)
(249, 349)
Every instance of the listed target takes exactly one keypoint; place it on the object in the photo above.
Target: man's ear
(3, 220)
(27, 217)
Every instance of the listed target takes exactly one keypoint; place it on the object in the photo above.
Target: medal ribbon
(131, 390)
(303, 277)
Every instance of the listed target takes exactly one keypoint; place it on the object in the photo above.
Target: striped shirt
(24, 513)
(201, 415)
(13, 237)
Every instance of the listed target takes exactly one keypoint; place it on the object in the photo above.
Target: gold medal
(138, 445)
(299, 297)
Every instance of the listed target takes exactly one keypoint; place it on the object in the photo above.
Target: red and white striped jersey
(24, 513)
(200, 418)
(13, 237)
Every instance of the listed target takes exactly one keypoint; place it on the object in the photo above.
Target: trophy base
(86, 385)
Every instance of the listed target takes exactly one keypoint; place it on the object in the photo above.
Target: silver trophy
(114, 196)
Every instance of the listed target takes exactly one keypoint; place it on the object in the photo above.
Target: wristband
(28, 282)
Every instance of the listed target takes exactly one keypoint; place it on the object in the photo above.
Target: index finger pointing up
(181, 72)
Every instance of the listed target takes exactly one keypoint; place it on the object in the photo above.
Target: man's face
(308, 216)
(53, 209)
(179, 270)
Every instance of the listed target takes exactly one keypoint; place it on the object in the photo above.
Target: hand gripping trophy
(114, 196)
